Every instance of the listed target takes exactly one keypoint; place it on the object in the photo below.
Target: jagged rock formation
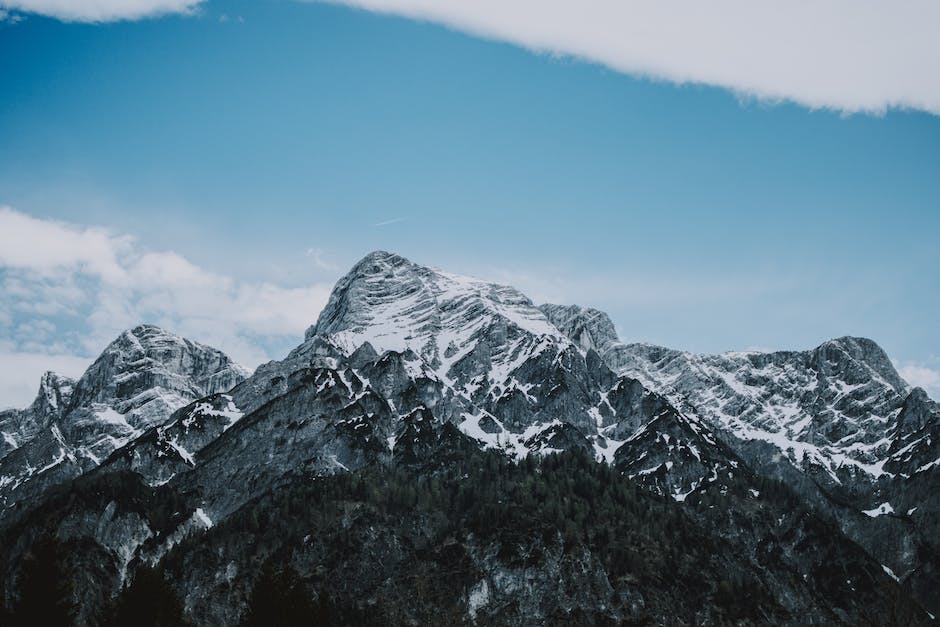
(413, 370)
(18, 426)
(141, 378)
(674, 455)
(833, 407)
(836, 422)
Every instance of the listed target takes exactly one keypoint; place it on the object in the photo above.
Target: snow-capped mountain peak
(395, 304)
(137, 382)
(147, 370)
(415, 367)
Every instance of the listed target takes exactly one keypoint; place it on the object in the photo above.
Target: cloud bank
(100, 10)
(68, 290)
(844, 55)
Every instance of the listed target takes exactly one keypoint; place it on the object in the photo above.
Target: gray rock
(139, 380)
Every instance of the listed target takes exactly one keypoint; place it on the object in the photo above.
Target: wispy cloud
(319, 259)
(922, 376)
(392, 221)
(69, 289)
(846, 55)
(98, 10)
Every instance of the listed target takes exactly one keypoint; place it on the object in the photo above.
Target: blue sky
(251, 152)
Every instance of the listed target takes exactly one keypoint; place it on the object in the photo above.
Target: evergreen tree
(278, 599)
(45, 594)
(148, 601)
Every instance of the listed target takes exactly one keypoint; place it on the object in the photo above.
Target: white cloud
(846, 55)
(922, 377)
(46, 245)
(99, 10)
(68, 290)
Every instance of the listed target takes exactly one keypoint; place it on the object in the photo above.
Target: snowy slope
(833, 407)
(518, 374)
(395, 304)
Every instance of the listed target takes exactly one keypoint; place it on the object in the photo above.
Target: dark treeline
(565, 503)
(393, 544)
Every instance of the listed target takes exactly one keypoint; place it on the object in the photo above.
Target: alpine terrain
(440, 450)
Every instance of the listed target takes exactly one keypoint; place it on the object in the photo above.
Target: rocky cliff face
(515, 374)
(837, 423)
(428, 377)
(139, 380)
(833, 407)
(18, 426)
(674, 455)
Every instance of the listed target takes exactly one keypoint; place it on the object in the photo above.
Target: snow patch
(186, 455)
(479, 597)
(890, 573)
(110, 416)
(881, 510)
(606, 451)
(200, 517)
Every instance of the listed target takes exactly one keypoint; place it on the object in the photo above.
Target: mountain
(675, 455)
(836, 422)
(487, 344)
(139, 380)
(395, 341)
(439, 449)
(832, 407)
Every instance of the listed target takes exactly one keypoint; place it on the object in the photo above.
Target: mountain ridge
(415, 368)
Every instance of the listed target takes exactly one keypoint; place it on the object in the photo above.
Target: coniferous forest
(404, 544)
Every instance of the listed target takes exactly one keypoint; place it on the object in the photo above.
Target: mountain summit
(138, 381)
(395, 304)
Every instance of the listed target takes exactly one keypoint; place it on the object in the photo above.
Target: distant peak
(141, 339)
(50, 377)
(54, 393)
(860, 348)
(867, 352)
(147, 328)
(588, 327)
(378, 255)
(147, 358)
(151, 330)
(156, 345)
